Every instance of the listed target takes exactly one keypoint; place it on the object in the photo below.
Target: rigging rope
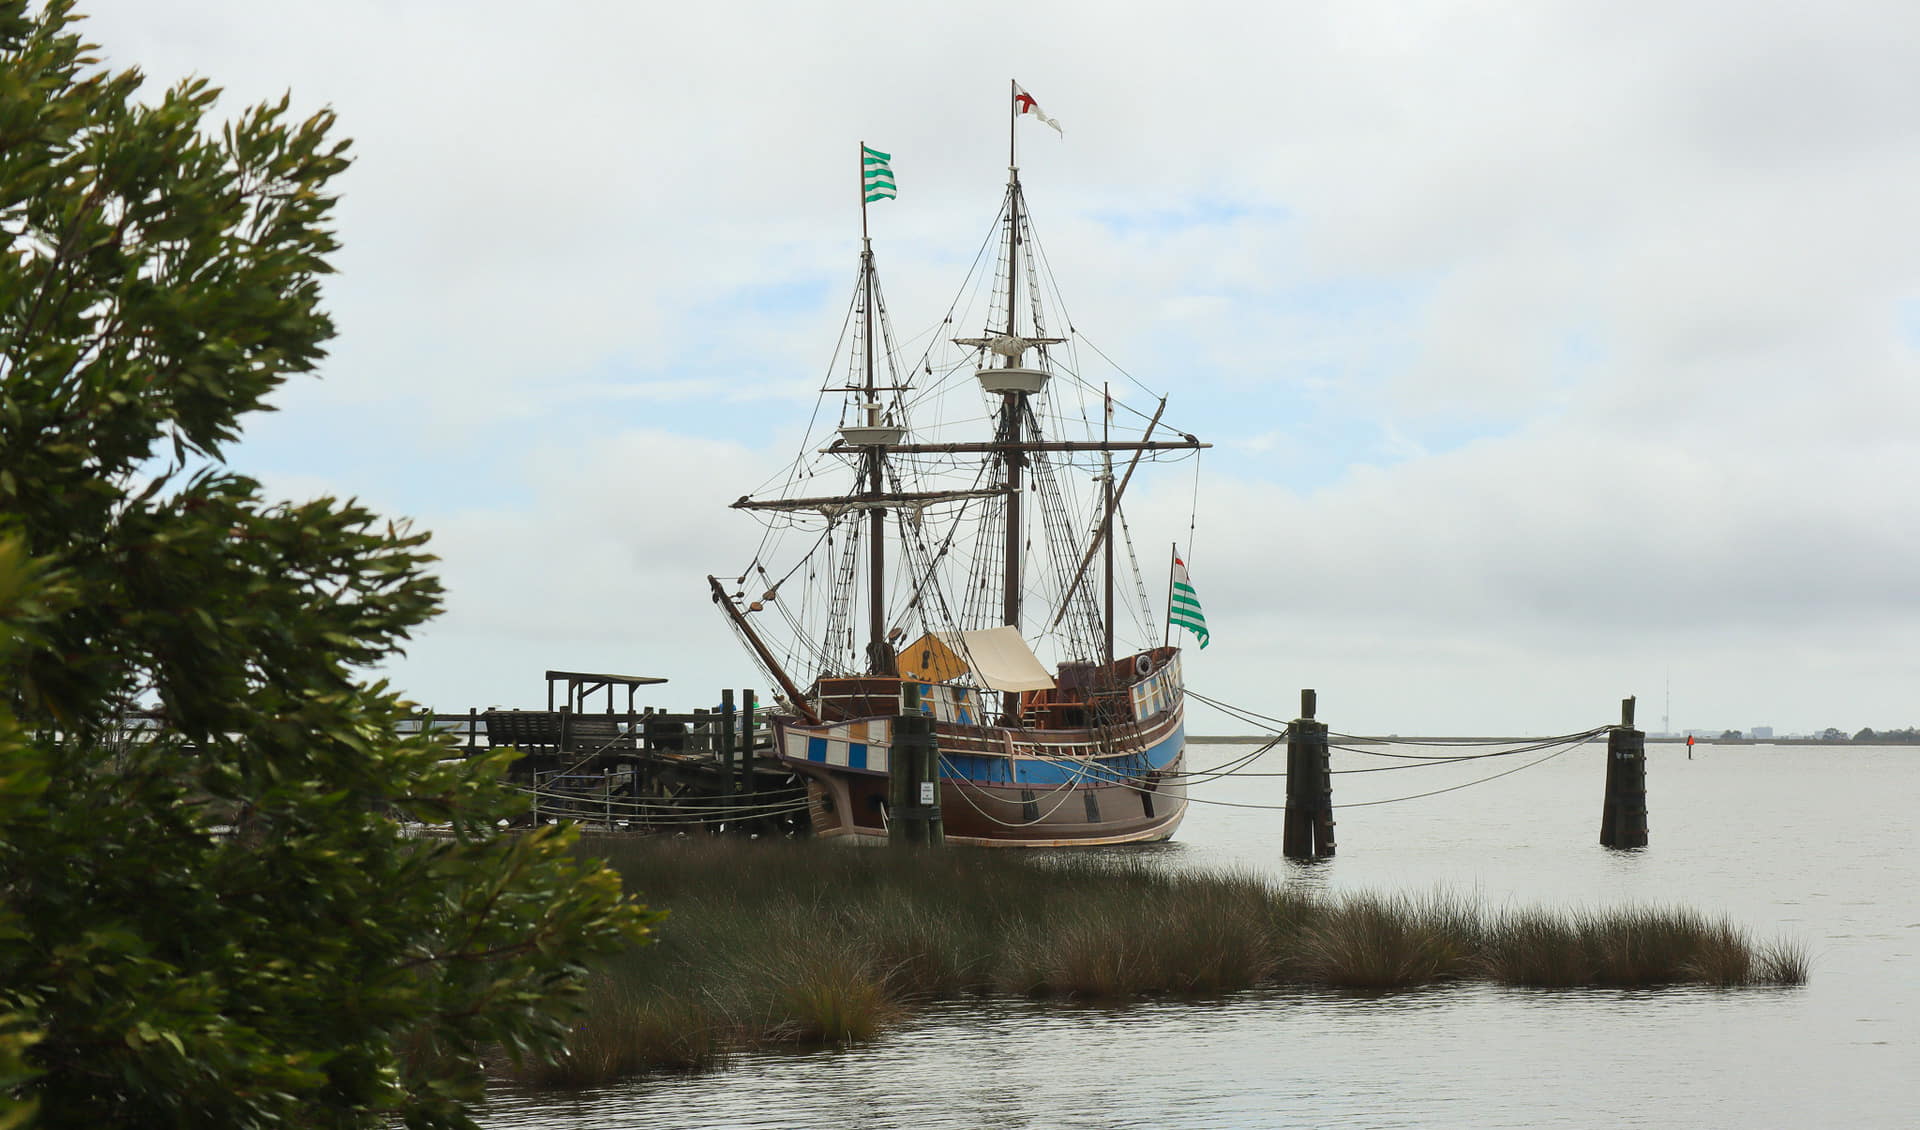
(1064, 792)
(1570, 742)
(684, 810)
(1240, 713)
(1568, 746)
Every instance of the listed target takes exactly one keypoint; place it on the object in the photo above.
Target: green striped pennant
(1185, 609)
(876, 176)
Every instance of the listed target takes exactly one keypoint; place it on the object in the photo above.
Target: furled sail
(997, 657)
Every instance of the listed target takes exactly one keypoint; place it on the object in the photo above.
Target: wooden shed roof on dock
(580, 684)
(615, 680)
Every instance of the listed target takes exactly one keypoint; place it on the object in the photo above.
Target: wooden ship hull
(1044, 783)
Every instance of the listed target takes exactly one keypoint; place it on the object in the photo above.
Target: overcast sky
(1552, 352)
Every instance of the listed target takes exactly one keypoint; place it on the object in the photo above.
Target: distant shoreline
(1261, 739)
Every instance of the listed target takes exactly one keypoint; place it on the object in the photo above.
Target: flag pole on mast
(1013, 113)
(1173, 554)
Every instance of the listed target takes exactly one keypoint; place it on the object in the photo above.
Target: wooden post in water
(930, 788)
(725, 750)
(1308, 832)
(913, 794)
(1623, 815)
(749, 786)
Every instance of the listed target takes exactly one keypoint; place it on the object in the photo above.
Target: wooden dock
(640, 771)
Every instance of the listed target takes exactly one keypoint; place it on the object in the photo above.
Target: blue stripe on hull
(1029, 770)
(828, 746)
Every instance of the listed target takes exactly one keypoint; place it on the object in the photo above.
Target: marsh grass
(1783, 962)
(804, 944)
(1373, 942)
(626, 1030)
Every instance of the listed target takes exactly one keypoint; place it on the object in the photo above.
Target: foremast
(865, 440)
(879, 654)
(868, 435)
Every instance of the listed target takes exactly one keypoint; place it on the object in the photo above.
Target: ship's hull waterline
(999, 786)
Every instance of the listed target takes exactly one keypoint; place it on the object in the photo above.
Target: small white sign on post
(926, 792)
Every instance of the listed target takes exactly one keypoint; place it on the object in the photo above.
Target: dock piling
(1623, 814)
(750, 786)
(725, 749)
(1308, 832)
(913, 771)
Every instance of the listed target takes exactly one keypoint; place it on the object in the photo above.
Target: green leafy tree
(23, 782)
(220, 920)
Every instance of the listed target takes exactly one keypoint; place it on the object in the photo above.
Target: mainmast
(1013, 398)
(1015, 383)
(1019, 453)
(1013, 406)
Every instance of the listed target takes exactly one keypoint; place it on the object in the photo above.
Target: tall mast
(878, 662)
(1106, 525)
(1012, 404)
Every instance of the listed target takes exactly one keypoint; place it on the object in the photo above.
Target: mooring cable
(1566, 744)
(1440, 743)
(688, 816)
(1519, 747)
(1568, 747)
(962, 790)
(1234, 768)
(784, 800)
(1239, 712)
(1246, 714)
(1431, 759)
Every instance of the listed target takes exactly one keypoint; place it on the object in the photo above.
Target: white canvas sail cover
(1000, 659)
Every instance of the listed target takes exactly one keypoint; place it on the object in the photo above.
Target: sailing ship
(936, 597)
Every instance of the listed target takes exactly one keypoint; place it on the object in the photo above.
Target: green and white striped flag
(876, 175)
(1185, 610)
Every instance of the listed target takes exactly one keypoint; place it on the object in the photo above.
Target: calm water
(1812, 843)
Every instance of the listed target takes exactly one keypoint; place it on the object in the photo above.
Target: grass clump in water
(1371, 942)
(807, 944)
(1633, 948)
(1117, 931)
(624, 1031)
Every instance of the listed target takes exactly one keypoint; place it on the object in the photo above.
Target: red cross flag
(1025, 104)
